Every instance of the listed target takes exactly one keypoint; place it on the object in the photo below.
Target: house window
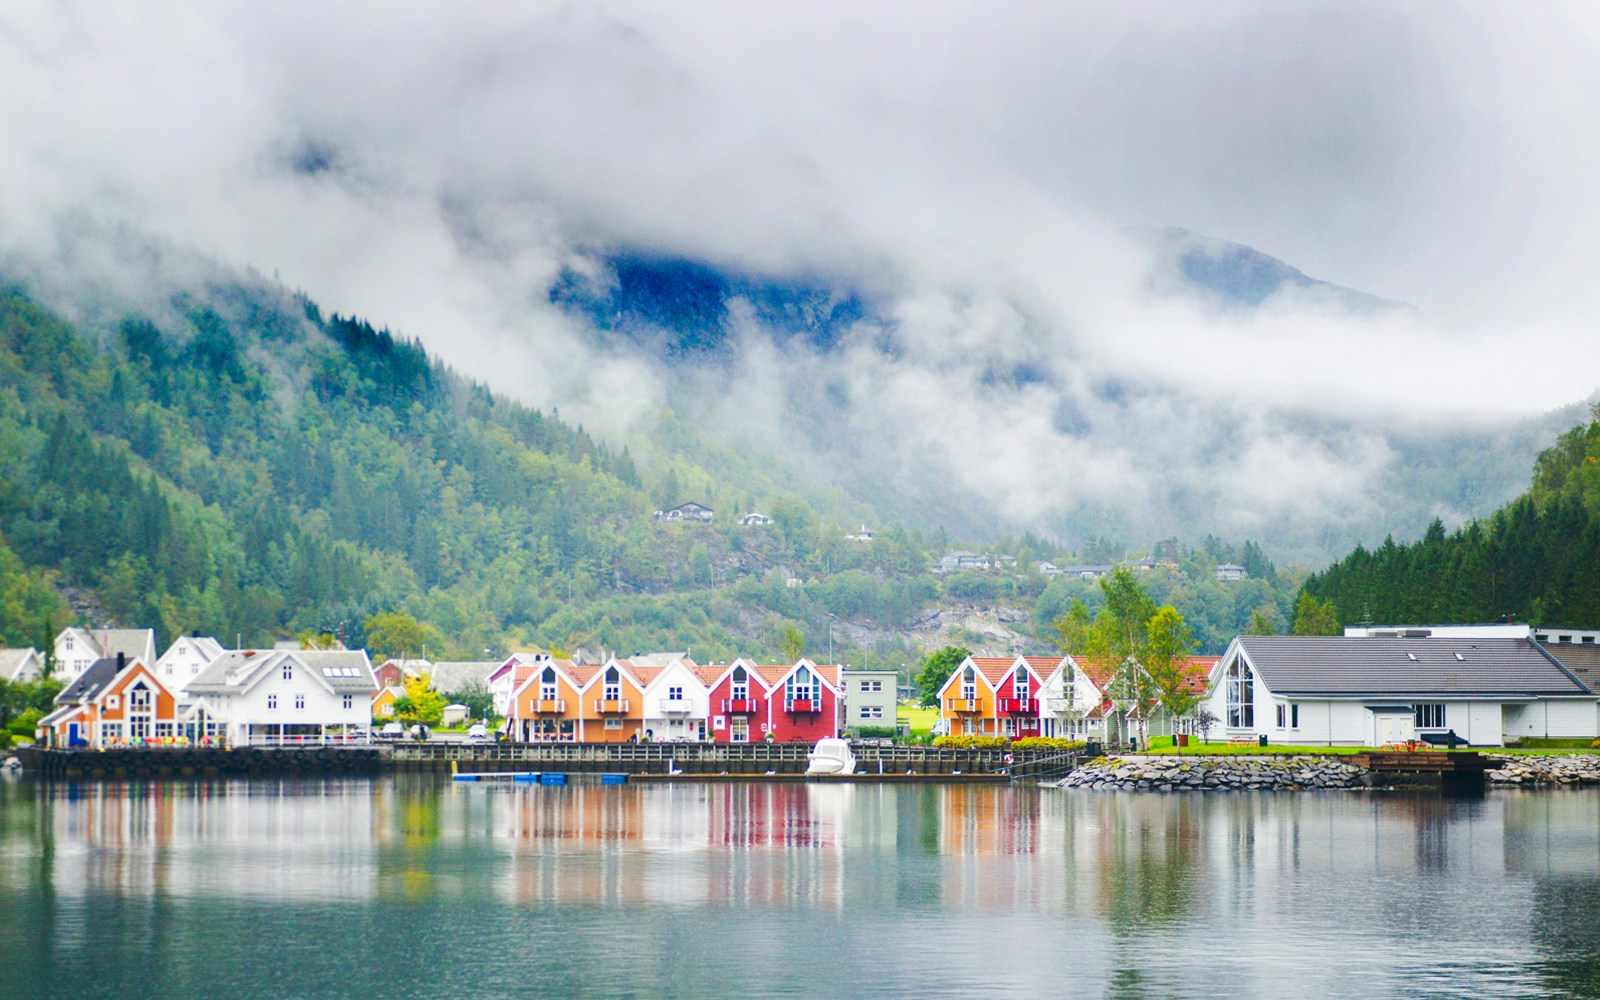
(674, 694)
(739, 729)
(139, 699)
(299, 701)
(67, 645)
(1019, 684)
(1430, 715)
(613, 688)
(1294, 716)
(872, 712)
(163, 730)
(272, 702)
(288, 671)
(969, 684)
(613, 723)
(113, 702)
(800, 685)
(741, 684)
(872, 686)
(1241, 695)
(349, 702)
(111, 730)
(1283, 715)
(547, 685)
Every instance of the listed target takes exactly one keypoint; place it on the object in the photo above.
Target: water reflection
(1115, 893)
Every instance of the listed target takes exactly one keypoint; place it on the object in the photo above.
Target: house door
(1395, 728)
(72, 734)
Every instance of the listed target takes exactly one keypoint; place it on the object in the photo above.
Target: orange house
(546, 705)
(116, 702)
(967, 700)
(611, 706)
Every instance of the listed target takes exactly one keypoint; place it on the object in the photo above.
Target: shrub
(25, 724)
(875, 732)
(1048, 743)
(972, 742)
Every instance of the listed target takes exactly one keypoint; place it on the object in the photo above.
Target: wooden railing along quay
(752, 759)
(203, 762)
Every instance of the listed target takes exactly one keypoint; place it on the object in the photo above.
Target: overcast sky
(979, 164)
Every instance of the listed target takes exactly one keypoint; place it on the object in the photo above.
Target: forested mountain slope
(1535, 560)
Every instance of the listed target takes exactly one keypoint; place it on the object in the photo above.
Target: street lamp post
(830, 637)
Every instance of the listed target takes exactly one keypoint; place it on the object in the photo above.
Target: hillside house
(755, 520)
(21, 665)
(960, 562)
(77, 649)
(686, 512)
(1231, 572)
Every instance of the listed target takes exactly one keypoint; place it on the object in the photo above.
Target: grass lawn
(922, 719)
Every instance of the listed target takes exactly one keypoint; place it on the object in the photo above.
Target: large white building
(1396, 686)
(272, 696)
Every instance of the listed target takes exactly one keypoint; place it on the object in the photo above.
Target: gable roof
(208, 647)
(774, 674)
(458, 675)
(1581, 659)
(344, 671)
(91, 682)
(14, 660)
(134, 643)
(1365, 666)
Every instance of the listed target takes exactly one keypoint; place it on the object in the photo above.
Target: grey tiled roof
(1582, 659)
(90, 682)
(11, 660)
(459, 675)
(1345, 666)
(345, 670)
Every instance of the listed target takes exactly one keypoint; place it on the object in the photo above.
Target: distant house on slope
(1229, 572)
(690, 511)
(960, 561)
(750, 520)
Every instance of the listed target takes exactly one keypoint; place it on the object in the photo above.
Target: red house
(802, 701)
(738, 703)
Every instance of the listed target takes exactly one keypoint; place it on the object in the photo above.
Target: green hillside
(1535, 560)
(253, 470)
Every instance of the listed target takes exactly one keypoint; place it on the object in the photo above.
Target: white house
(755, 519)
(690, 511)
(185, 659)
(1378, 690)
(21, 665)
(285, 696)
(78, 648)
(677, 702)
(1229, 572)
(956, 562)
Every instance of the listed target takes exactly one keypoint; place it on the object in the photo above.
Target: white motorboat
(831, 756)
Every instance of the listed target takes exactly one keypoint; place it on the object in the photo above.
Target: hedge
(1001, 743)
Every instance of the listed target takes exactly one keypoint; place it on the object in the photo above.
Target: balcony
(676, 706)
(548, 706)
(1059, 706)
(964, 706)
(802, 705)
(611, 706)
(741, 706)
(1019, 706)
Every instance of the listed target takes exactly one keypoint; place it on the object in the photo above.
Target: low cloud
(972, 173)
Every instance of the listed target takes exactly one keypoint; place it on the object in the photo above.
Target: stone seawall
(1564, 769)
(1194, 774)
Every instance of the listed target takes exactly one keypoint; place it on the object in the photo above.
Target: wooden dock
(1457, 772)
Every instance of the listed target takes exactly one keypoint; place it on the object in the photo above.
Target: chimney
(122, 660)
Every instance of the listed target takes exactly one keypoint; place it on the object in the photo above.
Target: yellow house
(383, 702)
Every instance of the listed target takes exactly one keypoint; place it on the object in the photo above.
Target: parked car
(419, 732)
(477, 733)
(392, 731)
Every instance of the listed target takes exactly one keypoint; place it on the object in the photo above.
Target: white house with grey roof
(273, 696)
(21, 665)
(1378, 690)
(78, 648)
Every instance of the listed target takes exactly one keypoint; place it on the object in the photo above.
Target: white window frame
(272, 703)
(1423, 711)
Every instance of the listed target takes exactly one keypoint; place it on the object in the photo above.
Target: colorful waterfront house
(115, 702)
(677, 702)
(611, 703)
(546, 704)
(282, 696)
(802, 701)
(510, 675)
(967, 699)
(736, 697)
(1019, 697)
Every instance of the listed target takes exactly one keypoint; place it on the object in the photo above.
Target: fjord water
(413, 887)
